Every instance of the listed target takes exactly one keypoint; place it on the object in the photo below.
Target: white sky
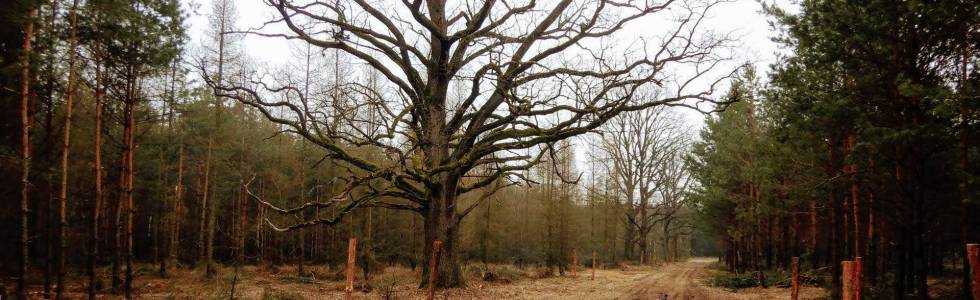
(743, 18)
(740, 17)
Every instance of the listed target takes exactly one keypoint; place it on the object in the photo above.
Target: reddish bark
(847, 282)
(973, 254)
(25, 119)
(351, 257)
(66, 141)
(795, 280)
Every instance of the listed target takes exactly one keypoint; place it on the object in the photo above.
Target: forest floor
(681, 280)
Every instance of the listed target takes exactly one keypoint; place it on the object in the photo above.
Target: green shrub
(733, 281)
(777, 278)
(717, 265)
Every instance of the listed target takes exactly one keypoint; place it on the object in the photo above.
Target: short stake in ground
(973, 253)
(795, 280)
(846, 282)
(857, 277)
(351, 255)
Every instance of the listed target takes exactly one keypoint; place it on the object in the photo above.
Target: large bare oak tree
(473, 85)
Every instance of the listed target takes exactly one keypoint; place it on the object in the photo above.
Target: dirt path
(674, 281)
(685, 281)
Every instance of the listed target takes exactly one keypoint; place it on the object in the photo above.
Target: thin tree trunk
(209, 218)
(129, 151)
(210, 270)
(835, 214)
(48, 221)
(302, 199)
(812, 243)
(25, 158)
(178, 204)
(63, 196)
(258, 230)
(872, 244)
(855, 207)
(202, 231)
(117, 225)
(171, 215)
(97, 161)
(964, 165)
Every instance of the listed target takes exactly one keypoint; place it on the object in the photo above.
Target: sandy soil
(673, 281)
(685, 280)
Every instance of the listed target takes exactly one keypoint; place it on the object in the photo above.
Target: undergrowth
(269, 294)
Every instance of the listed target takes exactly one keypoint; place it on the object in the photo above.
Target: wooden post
(795, 280)
(593, 264)
(574, 262)
(857, 277)
(434, 269)
(846, 282)
(973, 253)
(351, 256)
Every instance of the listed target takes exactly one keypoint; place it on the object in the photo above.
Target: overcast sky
(743, 18)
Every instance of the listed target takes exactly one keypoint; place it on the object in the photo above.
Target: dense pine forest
(473, 147)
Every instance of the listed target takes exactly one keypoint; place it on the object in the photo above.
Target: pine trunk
(97, 161)
(25, 158)
(855, 207)
(63, 196)
(129, 151)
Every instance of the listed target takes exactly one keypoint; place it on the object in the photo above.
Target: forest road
(674, 281)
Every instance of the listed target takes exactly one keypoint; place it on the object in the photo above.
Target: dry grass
(402, 283)
(806, 292)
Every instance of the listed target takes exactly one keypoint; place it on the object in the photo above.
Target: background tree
(640, 145)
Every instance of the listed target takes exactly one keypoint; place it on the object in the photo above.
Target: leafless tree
(640, 146)
(532, 74)
(673, 183)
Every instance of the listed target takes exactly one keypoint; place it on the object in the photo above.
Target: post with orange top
(351, 256)
(973, 254)
(847, 270)
(795, 280)
(434, 268)
(593, 264)
(857, 277)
